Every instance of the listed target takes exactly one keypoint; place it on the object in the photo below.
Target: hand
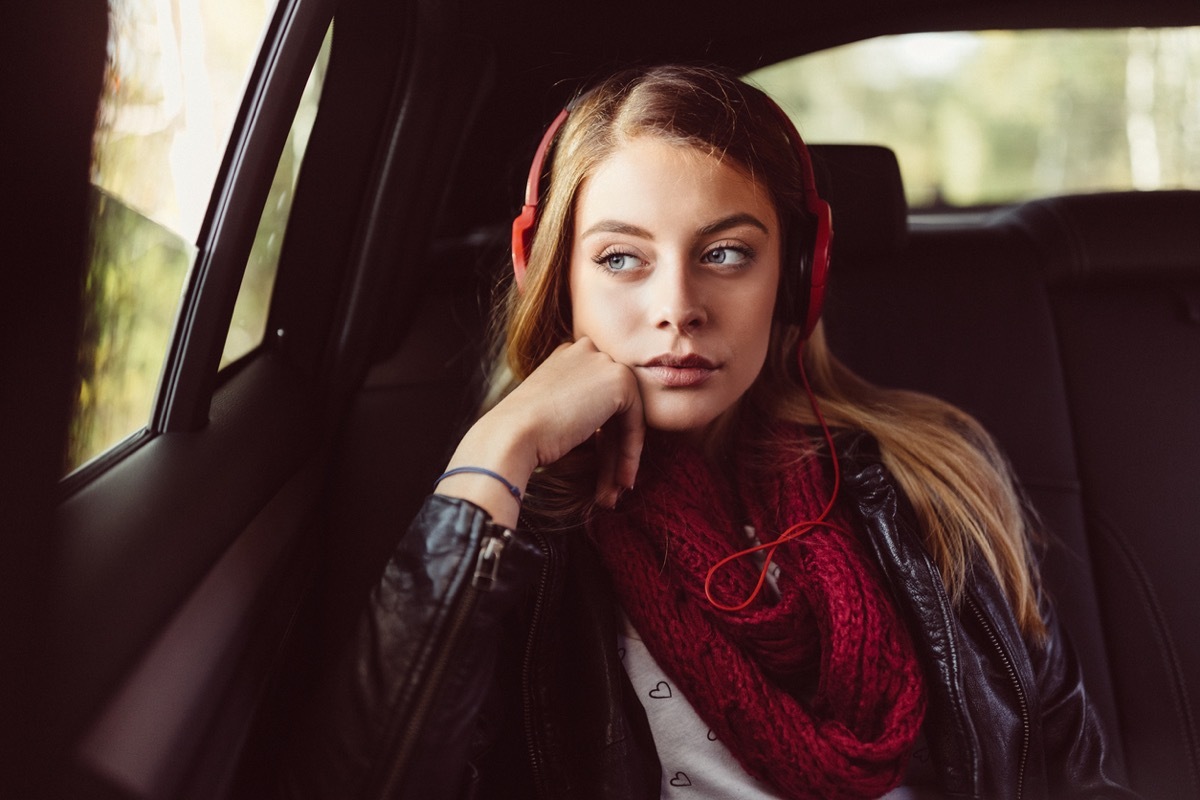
(575, 393)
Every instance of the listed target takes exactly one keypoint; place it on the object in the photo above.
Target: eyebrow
(723, 224)
(733, 221)
(615, 226)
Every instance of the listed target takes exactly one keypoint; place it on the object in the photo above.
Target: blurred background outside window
(177, 70)
(980, 119)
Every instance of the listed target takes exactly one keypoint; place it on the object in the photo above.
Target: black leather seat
(1071, 328)
(1123, 276)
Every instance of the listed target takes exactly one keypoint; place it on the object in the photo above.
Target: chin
(687, 422)
(683, 429)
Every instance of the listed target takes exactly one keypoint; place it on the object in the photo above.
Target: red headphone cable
(793, 532)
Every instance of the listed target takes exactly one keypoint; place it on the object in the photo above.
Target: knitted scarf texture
(816, 690)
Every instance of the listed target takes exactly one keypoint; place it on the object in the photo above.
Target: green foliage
(146, 165)
(254, 297)
(131, 294)
(994, 117)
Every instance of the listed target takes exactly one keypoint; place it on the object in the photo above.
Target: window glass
(1000, 116)
(176, 73)
(249, 322)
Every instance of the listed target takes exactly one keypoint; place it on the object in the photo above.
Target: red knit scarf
(818, 693)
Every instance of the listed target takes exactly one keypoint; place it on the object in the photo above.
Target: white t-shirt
(695, 764)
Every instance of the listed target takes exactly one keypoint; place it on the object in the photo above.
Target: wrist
(488, 465)
(474, 470)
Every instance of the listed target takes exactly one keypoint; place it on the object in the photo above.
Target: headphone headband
(818, 265)
(523, 225)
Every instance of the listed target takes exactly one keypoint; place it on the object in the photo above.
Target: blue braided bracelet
(513, 490)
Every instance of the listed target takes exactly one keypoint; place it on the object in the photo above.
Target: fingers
(619, 422)
(620, 447)
(576, 392)
(631, 435)
(573, 393)
(608, 490)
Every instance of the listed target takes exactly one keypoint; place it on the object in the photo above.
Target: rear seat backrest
(1071, 330)
(1123, 272)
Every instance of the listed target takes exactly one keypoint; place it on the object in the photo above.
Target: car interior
(178, 596)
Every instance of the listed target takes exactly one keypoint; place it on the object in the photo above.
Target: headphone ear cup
(811, 273)
(818, 267)
(526, 222)
(795, 279)
(804, 268)
(522, 240)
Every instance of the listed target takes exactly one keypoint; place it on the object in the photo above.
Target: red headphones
(813, 264)
(523, 225)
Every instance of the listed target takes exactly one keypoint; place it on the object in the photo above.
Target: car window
(248, 326)
(999, 116)
(176, 74)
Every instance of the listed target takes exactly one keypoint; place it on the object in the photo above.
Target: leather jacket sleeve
(396, 718)
(1077, 764)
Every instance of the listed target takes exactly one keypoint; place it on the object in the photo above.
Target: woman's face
(674, 269)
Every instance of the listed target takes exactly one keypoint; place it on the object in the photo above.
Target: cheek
(578, 293)
(756, 316)
(756, 343)
(756, 308)
(600, 309)
(582, 313)
(587, 309)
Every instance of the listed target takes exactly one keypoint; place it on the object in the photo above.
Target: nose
(680, 300)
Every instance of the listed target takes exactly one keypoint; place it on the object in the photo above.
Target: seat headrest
(862, 184)
(1115, 234)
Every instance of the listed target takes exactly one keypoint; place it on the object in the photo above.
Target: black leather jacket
(486, 666)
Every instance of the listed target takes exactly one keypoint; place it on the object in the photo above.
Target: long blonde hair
(947, 465)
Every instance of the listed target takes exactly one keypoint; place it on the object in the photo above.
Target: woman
(651, 569)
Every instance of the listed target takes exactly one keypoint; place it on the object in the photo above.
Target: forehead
(651, 178)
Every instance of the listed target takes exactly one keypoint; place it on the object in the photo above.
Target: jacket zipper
(487, 566)
(1022, 700)
(535, 756)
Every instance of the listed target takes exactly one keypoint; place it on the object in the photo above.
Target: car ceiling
(544, 40)
(763, 31)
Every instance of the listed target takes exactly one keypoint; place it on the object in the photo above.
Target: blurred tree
(995, 117)
(130, 295)
(173, 82)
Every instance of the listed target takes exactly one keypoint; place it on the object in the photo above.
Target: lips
(680, 371)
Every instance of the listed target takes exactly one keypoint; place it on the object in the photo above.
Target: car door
(164, 574)
(179, 573)
(173, 571)
(43, 238)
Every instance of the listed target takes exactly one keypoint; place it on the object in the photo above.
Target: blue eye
(618, 262)
(726, 256)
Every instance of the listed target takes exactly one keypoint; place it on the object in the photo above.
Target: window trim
(290, 47)
(189, 376)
